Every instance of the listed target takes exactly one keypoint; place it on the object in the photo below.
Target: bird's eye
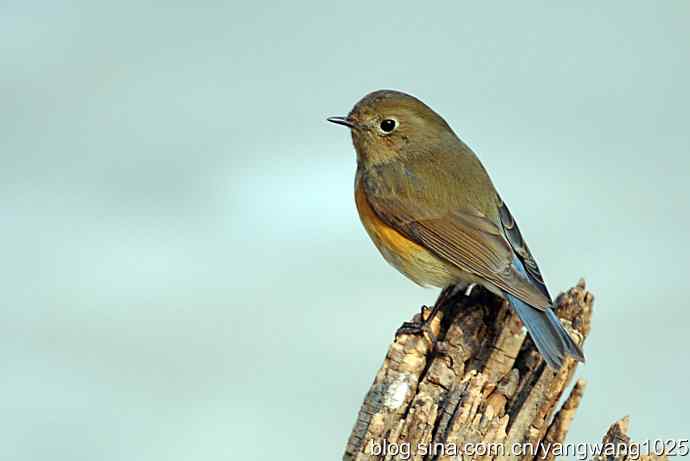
(387, 125)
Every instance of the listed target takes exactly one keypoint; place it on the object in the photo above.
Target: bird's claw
(411, 328)
(420, 326)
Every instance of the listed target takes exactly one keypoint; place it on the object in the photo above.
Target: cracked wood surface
(483, 382)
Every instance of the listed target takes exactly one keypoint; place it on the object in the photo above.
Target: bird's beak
(341, 121)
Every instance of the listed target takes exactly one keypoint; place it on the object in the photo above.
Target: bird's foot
(420, 326)
(411, 328)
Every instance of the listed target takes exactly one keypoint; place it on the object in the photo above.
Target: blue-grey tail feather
(552, 340)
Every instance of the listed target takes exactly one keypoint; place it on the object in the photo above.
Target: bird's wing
(465, 237)
(519, 246)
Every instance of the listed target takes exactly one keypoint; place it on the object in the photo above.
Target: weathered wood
(483, 382)
(481, 391)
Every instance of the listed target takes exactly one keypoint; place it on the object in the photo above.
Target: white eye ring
(388, 125)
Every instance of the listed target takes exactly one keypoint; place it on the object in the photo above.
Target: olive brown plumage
(431, 209)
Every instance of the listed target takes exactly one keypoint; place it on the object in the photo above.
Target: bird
(431, 209)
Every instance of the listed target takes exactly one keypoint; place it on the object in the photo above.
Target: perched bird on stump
(432, 211)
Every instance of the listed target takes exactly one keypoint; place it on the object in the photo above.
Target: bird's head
(388, 124)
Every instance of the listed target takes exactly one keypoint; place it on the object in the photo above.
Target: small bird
(431, 209)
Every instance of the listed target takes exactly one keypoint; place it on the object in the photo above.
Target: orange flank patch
(385, 237)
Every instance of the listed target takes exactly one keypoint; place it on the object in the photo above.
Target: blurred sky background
(184, 275)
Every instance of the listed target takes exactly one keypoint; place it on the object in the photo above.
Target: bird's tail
(547, 332)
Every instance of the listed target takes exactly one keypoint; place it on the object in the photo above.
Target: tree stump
(476, 388)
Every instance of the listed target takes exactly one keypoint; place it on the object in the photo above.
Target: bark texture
(626, 449)
(480, 386)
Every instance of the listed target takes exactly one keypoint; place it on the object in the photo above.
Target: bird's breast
(409, 257)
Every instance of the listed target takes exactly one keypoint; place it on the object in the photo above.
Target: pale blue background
(184, 275)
